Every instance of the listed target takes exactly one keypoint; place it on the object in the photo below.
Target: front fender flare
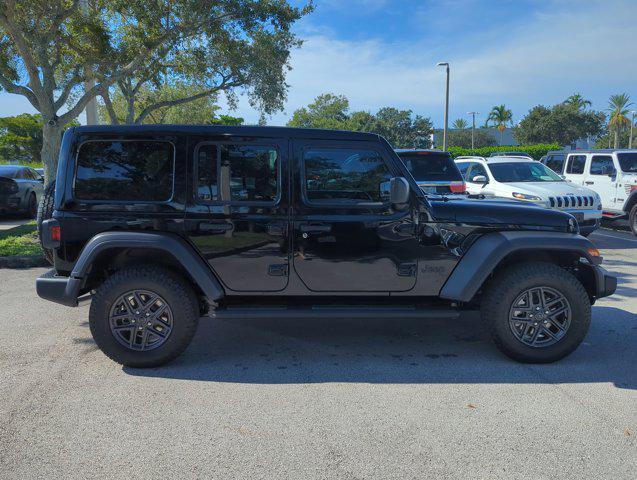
(490, 249)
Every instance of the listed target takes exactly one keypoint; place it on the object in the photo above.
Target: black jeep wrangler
(160, 225)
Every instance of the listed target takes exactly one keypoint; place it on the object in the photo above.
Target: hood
(549, 189)
(501, 214)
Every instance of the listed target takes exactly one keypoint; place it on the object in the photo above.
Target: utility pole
(632, 122)
(89, 83)
(444, 132)
(473, 128)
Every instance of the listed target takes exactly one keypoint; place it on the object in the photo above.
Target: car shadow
(288, 351)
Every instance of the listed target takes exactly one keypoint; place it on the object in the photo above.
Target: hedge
(536, 151)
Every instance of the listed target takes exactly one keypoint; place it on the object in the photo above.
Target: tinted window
(345, 176)
(555, 162)
(602, 165)
(125, 170)
(628, 162)
(237, 173)
(431, 166)
(576, 164)
(475, 170)
(523, 172)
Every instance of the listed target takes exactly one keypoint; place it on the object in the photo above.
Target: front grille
(571, 201)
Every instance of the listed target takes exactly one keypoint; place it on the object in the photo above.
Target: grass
(20, 241)
(23, 164)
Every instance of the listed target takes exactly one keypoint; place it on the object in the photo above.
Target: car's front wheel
(536, 312)
(632, 219)
(143, 316)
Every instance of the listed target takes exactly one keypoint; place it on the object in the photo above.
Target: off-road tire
(176, 292)
(632, 219)
(45, 211)
(503, 290)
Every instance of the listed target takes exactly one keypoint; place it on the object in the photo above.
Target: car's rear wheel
(632, 219)
(144, 316)
(32, 207)
(536, 312)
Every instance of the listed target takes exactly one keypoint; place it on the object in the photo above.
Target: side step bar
(322, 311)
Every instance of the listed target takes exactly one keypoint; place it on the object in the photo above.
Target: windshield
(523, 172)
(628, 162)
(431, 167)
(8, 171)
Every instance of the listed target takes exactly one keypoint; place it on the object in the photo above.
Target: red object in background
(458, 187)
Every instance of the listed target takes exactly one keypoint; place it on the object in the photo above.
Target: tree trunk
(617, 136)
(51, 140)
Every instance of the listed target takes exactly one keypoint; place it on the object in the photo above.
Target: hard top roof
(244, 131)
(495, 159)
(593, 150)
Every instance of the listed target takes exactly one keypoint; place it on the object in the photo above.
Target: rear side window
(431, 167)
(125, 171)
(602, 165)
(345, 176)
(555, 162)
(237, 173)
(576, 164)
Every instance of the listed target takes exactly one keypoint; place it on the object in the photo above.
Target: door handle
(215, 227)
(589, 183)
(315, 228)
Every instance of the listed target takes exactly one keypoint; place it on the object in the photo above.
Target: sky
(520, 53)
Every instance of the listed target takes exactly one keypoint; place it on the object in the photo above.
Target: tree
(578, 101)
(21, 138)
(618, 108)
(500, 117)
(462, 138)
(563, 123)
(49, 49)
(328, 111)
(460, 124)
(399, 127)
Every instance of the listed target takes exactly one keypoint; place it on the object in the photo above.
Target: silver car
(20, 190)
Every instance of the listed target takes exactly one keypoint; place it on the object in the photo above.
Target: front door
(346, 235)
(602, 177)
(237, 215)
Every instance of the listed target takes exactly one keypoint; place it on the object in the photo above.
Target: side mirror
(398, 191)
(480, 179)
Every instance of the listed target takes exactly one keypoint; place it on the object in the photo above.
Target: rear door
(575, 168)
(602, 177)
(237, 213)
(347, 237)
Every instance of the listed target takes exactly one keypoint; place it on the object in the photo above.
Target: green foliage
(20, 241)
(618, 108)
(21, 139)
(460, 124)
(399, 127)
(578, 101)
(462, 138)
(563, 123)
(500, 117)
(536, 151)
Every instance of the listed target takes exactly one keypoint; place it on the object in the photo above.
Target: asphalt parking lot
(318, 399)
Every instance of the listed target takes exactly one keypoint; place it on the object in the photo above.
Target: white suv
(527, 180)
(611, 173)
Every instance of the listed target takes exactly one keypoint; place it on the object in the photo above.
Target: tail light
(458, 187)
(51, 233)
(56, 233)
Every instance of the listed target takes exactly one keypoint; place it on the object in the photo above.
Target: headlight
(522, 196)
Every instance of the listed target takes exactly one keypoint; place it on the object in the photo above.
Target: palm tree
(618, 108)
(459, 124)
(500, 116)
(577, 101)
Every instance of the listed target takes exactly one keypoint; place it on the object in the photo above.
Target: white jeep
(610, 173)
(527, 180)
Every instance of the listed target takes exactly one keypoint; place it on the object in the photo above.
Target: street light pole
(473, 127)
(632, 122)
(444, 132)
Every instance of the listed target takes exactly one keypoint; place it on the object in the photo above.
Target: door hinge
(407, 270)
(278, 270)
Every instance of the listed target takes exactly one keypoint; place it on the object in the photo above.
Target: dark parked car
(20, 190)
(159, 225)
(435, 172)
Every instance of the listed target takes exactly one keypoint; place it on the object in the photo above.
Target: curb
(23, 262)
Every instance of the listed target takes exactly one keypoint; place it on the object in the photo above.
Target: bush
(536, 151)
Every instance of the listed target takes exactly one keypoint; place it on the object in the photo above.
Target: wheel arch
(111, 251)
(496, 251)
(631, 202)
